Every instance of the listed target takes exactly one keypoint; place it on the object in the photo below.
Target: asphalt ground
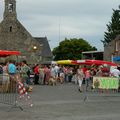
(65, 102)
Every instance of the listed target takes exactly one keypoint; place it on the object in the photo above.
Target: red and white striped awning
(91, 62)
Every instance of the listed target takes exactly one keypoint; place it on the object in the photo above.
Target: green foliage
(113, 28)
(71, 49)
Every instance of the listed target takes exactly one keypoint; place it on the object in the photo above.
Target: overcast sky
(60, 19)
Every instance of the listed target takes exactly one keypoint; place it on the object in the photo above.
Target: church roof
(45, 48)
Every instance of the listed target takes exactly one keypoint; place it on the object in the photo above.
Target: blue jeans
(87, 82)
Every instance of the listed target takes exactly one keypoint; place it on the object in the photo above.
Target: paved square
(64, 102)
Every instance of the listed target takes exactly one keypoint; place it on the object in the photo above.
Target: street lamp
(34, 47)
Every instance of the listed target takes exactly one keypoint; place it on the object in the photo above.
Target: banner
(105, 82)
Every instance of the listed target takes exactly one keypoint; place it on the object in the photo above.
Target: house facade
(112, 50)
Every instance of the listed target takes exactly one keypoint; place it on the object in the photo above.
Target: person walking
(87, 78)
(80, 76)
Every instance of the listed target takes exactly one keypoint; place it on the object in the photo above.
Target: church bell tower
(10, 10)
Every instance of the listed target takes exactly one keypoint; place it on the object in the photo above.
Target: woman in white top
(80, 75)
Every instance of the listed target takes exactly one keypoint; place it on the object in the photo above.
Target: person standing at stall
(41, 75)
(12, 68)
(115, 72)
(105, 71)
(6, 78)
(24, 72)
(12, 72)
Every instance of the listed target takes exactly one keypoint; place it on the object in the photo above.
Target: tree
(71, 49)
(113, 28)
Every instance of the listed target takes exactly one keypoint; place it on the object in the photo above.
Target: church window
(10, 28)
(10, 7)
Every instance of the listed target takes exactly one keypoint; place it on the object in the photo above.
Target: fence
(9, 90)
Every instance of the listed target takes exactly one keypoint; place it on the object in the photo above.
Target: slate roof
(45, 48)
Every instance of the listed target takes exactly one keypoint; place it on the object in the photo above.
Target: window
(10, 7)
(10, 28)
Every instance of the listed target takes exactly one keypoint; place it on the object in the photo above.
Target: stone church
(14, 36)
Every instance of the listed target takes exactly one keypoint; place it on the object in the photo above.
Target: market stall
(5, 53)
(95, 62)
(65, 62)
(106, 82)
